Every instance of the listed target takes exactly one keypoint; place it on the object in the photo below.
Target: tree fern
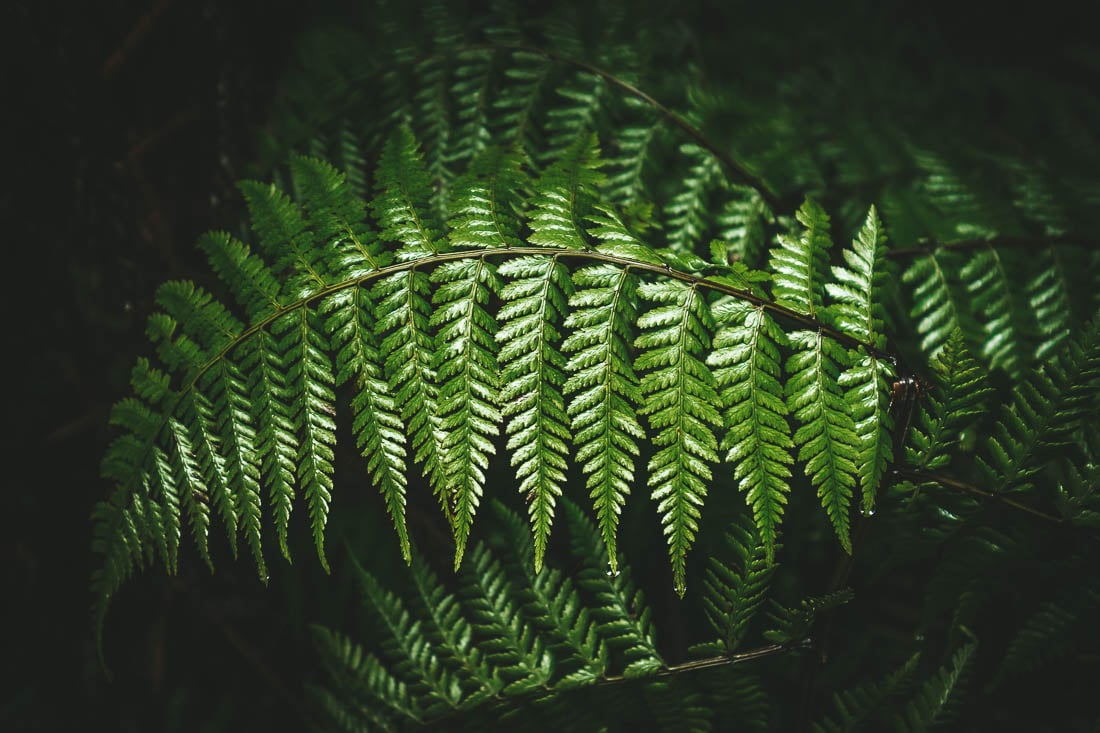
(535, 268)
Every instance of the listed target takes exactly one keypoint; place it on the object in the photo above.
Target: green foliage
(546, 255)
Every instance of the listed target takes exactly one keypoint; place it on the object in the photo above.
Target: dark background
(129, 123)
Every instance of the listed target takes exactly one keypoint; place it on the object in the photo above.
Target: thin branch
(501, 702)
(919, 476)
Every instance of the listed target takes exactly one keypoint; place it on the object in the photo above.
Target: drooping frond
(379, 430)
(535, 298)
(681, 401)
(605, 389)
(826, 438)
(859, 312)
(746, 364)
(686, 214)
(467, 375)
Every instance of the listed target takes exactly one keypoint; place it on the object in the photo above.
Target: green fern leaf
(254, 284)
(487, 200)
(826, 438)
(632, 155)
(935, 702)
(732, 594)
(938, 304)
(535, 301)
(310, 382)
(408, 353)
(624, 620)
(403, 204)
(1003, 317)
(604, 421)
(285, 239)
(858, 708)
(858, 311)
(435, 688)
(682, 404)
(962, 390)
(466, 373)
(276, 442)
(379, 430)
(746, 366)
(1048, 292)
(743, 225)
(1046, 409)
(565, 193)
(337, 217)
(554, 607)
(510, 642)
(452, 636)
(377, 696)
(799, 264)
(687, 213)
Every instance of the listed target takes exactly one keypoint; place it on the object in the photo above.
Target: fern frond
(859, 312)
(746, 364)
(554, 606)
(858, 290)
(826, 438)
(565, 192)
(936, 701)
(799, 264)
(682, 404)
(286, 241)
(792, 625)
(337, 218)
(605, 388)
(407, 348)
(436, 689)
(1048, 293)
(466, 373)
(262, 359)
(253, 283)
(625, 621)
(958, 402)
(1044, 412)
(508, 640)
(452, 636)
(733, 592)
(936, 297)
(370, 693)
(379, 430)
(860, 707)
(1002, 315)
(631, 157)
(686, 214)
(535, 302)
(403, 205)
(1051, 632)
(310, 384)
(487, 201)
(743, 224)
